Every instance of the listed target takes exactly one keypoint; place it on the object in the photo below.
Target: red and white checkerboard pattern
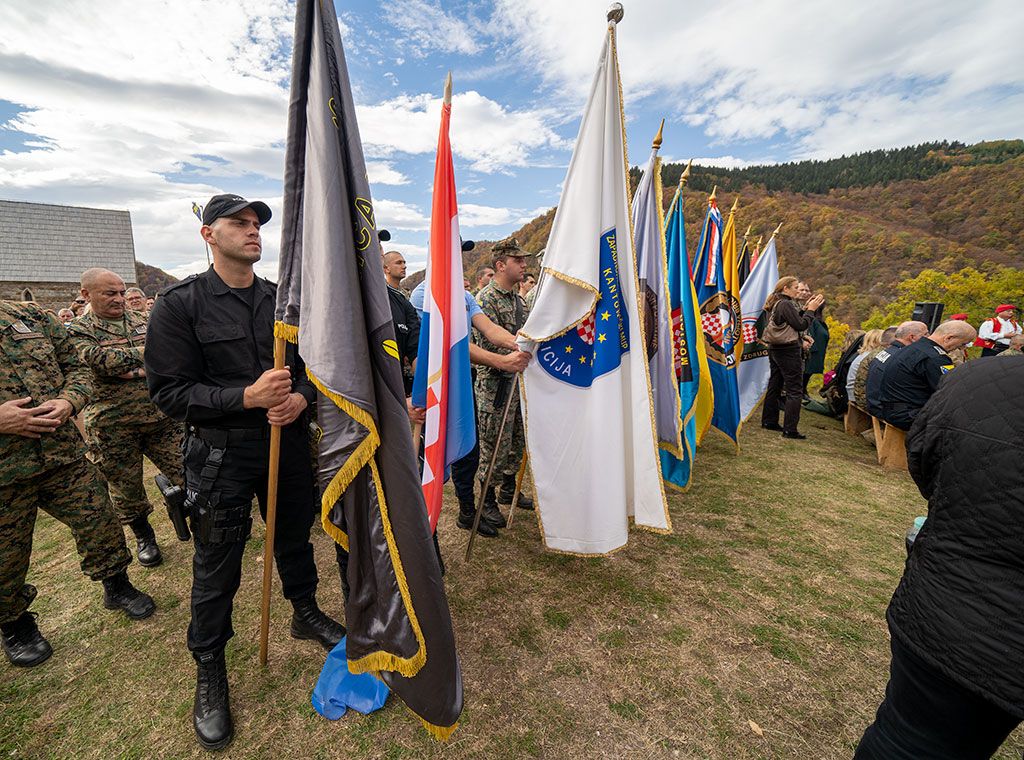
(750, 331)
(586, 330)
(711, 323)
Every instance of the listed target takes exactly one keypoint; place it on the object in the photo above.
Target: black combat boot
(491, 512)
(310, 622)
(23, 644)
(467, 512)
(148, 553)
(508, 490)
(211, 715)
(120, 594)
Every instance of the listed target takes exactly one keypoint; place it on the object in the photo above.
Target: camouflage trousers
(117, 451)
(76, 495)
(510, 447)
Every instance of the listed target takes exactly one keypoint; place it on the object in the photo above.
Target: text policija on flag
(696, 395)
(718, 316)
(443, 384)
(333, 302)
(587, 403)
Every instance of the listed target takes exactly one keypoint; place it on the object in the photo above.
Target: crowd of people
(187, 380)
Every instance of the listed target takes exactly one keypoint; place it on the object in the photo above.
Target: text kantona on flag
(443, 384)
(754, 370)
(649, 237)
(332, 301)
(587, 398)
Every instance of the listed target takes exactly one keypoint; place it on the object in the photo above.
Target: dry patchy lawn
(766, 605)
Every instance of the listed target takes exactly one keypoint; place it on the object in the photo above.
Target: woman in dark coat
(783, 335)
(819, 334)
(956, 685)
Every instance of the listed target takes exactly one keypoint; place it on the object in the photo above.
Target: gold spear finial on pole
(714, 194)
(735, 205)
(657, 138)
(759, 239)
(448, 89)
(777, 230)
(747, 233)
(686, 173)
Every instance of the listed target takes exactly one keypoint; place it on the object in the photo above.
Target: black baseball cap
(228, 204)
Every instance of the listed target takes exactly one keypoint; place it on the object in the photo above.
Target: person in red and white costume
(994, 334)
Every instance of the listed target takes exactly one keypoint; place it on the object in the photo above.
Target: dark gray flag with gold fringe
(333, 302)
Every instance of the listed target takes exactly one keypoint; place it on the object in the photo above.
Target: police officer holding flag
(209, 363)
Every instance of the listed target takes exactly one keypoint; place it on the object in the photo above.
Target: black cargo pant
(217, 563)
(927, 715)
(787, 369)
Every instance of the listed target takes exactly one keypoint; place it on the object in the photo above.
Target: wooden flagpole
(268, 541)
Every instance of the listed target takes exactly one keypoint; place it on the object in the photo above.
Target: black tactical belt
(220, 437)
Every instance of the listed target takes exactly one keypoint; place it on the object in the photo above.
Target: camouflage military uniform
(121, 422)
(507, 309)
(860, 382)
(37, 359)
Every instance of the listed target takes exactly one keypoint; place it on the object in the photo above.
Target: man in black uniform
(912, 375)
(209, 362)
(403, 315)
(907, 334)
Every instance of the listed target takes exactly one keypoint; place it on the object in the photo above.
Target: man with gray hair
(135, 299)
(121, 423)
(913, 374)
(905, 334)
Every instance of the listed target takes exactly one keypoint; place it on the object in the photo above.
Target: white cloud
(489, 135)
(384, 173)
(836, 77)
(398, 215)
(724, 162)
(425, 28)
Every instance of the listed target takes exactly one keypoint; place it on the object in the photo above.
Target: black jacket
(407, 332)
(205, 344)
(909, 379)
(960, 604)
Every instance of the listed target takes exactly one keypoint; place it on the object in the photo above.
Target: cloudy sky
(150, 106)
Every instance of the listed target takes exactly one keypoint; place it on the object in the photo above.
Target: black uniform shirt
(206, 343)
(911, 376)
(873, 386)
(407, 332)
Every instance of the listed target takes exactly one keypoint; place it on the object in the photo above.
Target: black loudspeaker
(928, 312)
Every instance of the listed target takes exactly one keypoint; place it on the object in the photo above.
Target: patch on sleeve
(946, 368)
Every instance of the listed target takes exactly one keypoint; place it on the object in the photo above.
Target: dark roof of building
(41, 242)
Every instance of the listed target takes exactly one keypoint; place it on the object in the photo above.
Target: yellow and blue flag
(197, 210)
(691, 363)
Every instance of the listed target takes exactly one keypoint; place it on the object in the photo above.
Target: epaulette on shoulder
(24, 309)
(182, 283)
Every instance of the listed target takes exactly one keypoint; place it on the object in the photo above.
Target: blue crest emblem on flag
(595, 346)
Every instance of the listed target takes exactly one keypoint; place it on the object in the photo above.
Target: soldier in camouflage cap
(42, 465)
(121, 423)
(501, 302)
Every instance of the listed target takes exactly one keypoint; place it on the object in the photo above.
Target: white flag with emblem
(587, 397)
(754, 370)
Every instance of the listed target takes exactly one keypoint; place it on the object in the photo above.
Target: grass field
(757, 630)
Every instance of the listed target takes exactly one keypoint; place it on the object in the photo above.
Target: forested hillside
(152, 279)
(859, 226)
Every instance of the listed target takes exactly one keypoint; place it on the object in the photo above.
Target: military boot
(508, 490)
(467, 513)
(148, 553)
(310, 622)
(211, 714)
(491, 512)
(23, 644)
(120, 594)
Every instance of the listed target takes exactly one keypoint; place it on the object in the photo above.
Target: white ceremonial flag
(587, 398)
(649, 236)
(754, 370)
